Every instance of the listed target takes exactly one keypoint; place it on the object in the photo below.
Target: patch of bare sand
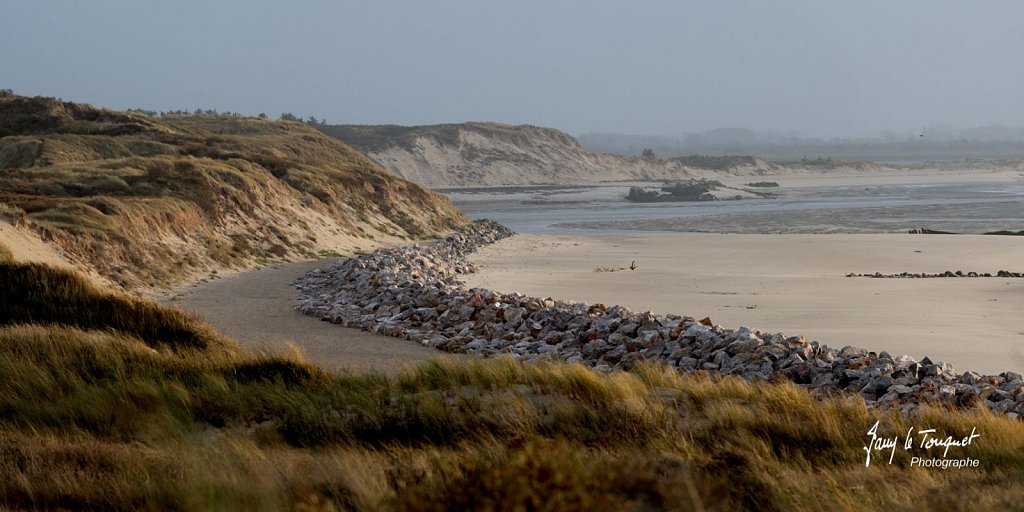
(327, 236)
(256, 308)
(27, 247)
(793, 284)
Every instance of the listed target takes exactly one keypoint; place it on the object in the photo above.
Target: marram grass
(108, 415)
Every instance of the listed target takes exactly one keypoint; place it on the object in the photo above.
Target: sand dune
(794, 284)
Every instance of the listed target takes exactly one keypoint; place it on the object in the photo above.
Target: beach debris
(632, 266)
(413, 292)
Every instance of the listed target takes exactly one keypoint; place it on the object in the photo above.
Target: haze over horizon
(820, 69)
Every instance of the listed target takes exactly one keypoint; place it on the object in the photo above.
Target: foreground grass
(123, 416)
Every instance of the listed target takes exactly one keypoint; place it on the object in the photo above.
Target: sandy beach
(792, 283)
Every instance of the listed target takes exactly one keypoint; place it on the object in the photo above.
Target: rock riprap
(414, 293)
(948, 273)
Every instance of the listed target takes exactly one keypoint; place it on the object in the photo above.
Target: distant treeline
(930, 144)
(196, 112)
(286, 116)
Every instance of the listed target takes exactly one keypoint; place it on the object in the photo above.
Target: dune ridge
(149, 202)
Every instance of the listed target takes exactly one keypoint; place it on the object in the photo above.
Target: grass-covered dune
(112, 403)
(151, 201)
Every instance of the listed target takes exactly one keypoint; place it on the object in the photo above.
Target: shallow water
(969, 208)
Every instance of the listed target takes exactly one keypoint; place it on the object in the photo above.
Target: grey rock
(970, 378)
(744, 345)
(1005, 406)
(947, 393)
(999, 395)
(687, 363)
(900, 390)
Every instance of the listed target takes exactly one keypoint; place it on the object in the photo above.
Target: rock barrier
(414, 293)
(948, 273)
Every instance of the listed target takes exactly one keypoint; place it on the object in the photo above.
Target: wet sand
(792, 283)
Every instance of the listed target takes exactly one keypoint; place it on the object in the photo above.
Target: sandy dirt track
(256, 308)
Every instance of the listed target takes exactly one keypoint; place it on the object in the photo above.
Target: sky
(811, 68)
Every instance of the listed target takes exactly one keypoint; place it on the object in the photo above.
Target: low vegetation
(111, 403)
(822, 163)
(719, 163)
(150, 201)
(329, 253)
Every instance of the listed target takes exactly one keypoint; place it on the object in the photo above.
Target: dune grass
(44, 295)
(149, 202)
(87, 411)
(125, 410)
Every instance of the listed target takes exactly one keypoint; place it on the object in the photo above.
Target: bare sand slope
(793, 284)
(26, 246)
(255, 308)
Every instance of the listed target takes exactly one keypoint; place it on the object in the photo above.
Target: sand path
(256, 308)
(793, 284)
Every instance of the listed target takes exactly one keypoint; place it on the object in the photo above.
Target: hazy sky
(656, 67)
